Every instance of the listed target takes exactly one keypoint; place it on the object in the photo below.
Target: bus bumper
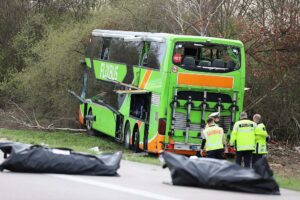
(183, 148)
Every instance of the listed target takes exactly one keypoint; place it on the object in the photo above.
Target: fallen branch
(48, 128)
(68, 129)
(27, 122)
(37, 123)
(19, 108)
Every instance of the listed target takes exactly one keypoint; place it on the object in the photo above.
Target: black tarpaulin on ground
(38, 159)
(221, 174)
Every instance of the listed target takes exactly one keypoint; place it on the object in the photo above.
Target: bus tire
(136, 141)
(89, 125)
(127, 136)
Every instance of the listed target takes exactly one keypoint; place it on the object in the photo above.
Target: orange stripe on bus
(141, 146)
(205, 80)
(155, 145)
(145, 79)
(139, 123)
(81, 118)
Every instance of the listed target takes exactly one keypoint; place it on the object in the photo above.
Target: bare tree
(195, 14)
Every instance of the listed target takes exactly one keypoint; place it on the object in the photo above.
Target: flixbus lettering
(108, 71)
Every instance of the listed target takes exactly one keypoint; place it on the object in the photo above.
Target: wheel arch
(135, 127)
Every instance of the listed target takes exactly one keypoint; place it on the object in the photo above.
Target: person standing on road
(213, 140)
(261, 138)
(243, 138)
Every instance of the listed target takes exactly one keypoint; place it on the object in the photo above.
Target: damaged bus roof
(159, 37)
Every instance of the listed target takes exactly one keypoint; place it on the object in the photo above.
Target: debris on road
(221, 174)
(39, 159)
(3, 139)
(95, 149)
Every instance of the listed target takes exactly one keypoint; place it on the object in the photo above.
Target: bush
(52, 66)
(42, 86)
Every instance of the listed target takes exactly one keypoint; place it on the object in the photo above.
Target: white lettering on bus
(108, 71)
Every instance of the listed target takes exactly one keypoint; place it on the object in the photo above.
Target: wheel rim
(89, 123)
(127, 138)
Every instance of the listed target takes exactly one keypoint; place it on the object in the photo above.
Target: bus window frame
(212, 70)
(142, 53)
(161, 61)
(92, 46)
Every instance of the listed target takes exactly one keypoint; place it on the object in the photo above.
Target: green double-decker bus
(154, 91)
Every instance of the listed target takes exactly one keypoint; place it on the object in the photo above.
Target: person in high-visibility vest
(214, 140)
(261, 138)
(243, 138)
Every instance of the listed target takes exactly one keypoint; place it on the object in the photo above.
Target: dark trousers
(244, 155)
(256, 157)
(217, 154)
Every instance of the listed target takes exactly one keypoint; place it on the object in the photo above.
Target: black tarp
(38, 159)
(221, 174)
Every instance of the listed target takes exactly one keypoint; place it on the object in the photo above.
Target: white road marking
(119, 188)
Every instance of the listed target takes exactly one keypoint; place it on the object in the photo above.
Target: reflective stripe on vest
(245, 147)
(245, 130)
(214, 144)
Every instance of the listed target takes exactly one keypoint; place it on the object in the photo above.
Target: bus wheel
(127, 136)
(89, 125)
(136, 147)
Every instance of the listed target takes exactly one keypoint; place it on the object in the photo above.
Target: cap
(243, 115)
(214, 114)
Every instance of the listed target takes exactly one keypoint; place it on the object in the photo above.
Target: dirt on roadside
(3, 139)
(284, 161)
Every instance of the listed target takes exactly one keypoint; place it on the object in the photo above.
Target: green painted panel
(88, 62)
(105, 119)
(153, 125)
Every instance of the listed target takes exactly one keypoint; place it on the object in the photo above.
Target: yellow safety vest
(243, 135)
(260, 139)
(214, 138)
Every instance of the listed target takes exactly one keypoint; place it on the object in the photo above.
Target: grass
(77, 141)
(82, 143)
(288, 182)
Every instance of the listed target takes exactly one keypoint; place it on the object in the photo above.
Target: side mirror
(177, 59)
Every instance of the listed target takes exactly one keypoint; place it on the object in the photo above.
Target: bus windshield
(207, 57)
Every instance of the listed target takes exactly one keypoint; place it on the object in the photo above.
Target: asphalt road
(136, 181)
